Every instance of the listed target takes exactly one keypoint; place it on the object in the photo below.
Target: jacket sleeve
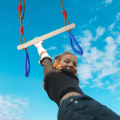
(47, 65)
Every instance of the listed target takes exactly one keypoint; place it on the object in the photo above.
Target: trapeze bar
(46, 36)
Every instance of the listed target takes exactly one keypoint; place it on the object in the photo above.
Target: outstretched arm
(46, 60)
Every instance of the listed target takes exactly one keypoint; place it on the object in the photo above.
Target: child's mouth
(70, 70)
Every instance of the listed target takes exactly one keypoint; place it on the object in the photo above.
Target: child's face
(69, 63)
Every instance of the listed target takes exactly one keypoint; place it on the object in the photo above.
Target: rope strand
(24, 9)
(62, 4)
(65, 15)
(21, 18)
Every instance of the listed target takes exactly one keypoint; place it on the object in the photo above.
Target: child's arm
(46, 60)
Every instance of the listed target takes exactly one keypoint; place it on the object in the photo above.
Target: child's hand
(39, 44)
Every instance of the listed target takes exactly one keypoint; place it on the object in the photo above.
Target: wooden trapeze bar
(46, 36)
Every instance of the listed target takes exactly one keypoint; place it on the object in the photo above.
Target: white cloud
(107, 71)
(107, 82)
(108, 1)
(118, 39)
(84, 72)
(12, 109)
(94, 19)
(65, 36)
(118, 16)
(113, 87)
(94, 55)
(112, 26)
(51, 48)
(67, 48)
(85, 41)
(82, 86)
(119, 98)
(110, 49)
(99, 32)
(97, 83)
(115, 33)
(87, 36)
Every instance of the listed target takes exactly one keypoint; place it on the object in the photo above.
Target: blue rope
(25, 65)
(80, 52)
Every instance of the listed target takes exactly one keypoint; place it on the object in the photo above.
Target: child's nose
(71, 64)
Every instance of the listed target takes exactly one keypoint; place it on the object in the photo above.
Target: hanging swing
(25, 45)
(71, 37)
(27, 61)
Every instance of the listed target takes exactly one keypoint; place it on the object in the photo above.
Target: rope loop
(71, 37)
(27, 64)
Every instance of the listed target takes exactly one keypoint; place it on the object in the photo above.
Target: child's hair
(59, 57)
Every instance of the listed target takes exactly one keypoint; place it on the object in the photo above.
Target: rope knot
(21, 30)
(20, 16)
(19, 7)
(64, 13)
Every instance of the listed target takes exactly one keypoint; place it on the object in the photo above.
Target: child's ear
(55, 63)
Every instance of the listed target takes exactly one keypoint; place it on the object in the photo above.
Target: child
(62, 86)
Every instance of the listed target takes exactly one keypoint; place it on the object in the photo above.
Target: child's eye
(75, 64)
(66, 61)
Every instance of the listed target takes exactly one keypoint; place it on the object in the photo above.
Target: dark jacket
(58, 82)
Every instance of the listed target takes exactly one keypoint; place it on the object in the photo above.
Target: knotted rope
(21, 18)
(64, 14)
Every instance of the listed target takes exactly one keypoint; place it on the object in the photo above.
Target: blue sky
(98, 33)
